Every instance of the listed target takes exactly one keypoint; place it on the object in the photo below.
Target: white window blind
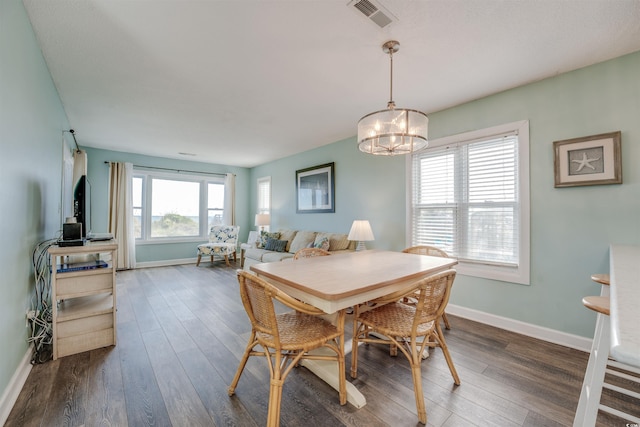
(264, 195)
(466, 200)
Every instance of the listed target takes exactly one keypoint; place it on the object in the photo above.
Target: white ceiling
(244, 82)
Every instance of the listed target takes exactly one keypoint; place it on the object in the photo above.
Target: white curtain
(121, 213)
(229, 214)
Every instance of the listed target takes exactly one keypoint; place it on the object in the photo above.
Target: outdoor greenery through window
(176, 206)
(470, 198)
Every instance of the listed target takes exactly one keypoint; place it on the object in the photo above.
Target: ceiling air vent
(374, 12)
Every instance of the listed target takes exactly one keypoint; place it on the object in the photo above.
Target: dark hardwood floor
(182, 329)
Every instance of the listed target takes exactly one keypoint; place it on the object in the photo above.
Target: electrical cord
(40, 315)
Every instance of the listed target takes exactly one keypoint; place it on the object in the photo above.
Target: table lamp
(262, 220)
(361, 232)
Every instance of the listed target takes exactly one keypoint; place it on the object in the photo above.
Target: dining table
(337, 282)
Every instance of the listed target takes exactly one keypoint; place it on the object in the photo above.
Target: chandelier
(394, 130)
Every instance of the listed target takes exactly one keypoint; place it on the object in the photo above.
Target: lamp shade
(361, 231)
(263, 219)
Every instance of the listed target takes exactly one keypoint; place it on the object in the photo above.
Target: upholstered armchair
(223, 241)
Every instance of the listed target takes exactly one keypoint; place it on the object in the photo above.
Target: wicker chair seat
(299, 331)
(396, 320)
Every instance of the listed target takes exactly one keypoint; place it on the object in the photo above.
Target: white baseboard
(15, 385)
(534, 331)
(166, 263)
(169, 262)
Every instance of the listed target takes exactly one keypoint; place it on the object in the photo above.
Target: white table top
(625, 304)
(334, 282)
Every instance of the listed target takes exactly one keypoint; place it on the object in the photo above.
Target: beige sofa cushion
(288, 235)
(302, 240)
(255, 253)
(275, 256)
(337, 241)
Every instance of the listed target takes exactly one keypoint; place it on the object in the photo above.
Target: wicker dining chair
(310, 252)
(410, 328)
(431, 251)
(285, 339)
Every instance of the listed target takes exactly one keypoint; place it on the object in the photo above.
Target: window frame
(519, 274)
(203, 209)
(260, 208)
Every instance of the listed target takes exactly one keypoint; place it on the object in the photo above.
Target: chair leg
(226, 259)
(252, 343)
(417, 388)
(354, 344)
(275, 398)
(445, 319)
(447, 356)
(235, 257)
(198, 261)
(342, 380)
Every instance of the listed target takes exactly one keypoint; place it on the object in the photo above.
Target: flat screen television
(82, 204)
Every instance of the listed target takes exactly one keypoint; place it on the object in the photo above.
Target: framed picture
(315, 189)
(591, 160)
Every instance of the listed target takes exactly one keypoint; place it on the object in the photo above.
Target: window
(215, 203)
(264, 198)
(470, 197)
(138, 197)
(264, 195)
(176, 206)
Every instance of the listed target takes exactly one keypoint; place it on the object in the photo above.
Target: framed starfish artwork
(590, 160)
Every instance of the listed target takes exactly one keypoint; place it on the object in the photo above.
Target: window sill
(518, 275)
(173, 240)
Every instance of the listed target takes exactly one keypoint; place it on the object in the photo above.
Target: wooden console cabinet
(84, 301)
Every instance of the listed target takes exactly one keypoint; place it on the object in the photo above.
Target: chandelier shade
(395, 130)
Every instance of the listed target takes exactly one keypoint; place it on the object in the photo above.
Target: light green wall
(366, 187)
(571, 228)
(98, 175)
(31, 124)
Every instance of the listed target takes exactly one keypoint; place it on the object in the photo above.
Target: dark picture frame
(315, 189)
(589, 160)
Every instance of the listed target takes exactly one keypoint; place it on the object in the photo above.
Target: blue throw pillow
(275, 245)
(264, 236)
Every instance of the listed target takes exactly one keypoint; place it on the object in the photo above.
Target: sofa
(282, 245)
